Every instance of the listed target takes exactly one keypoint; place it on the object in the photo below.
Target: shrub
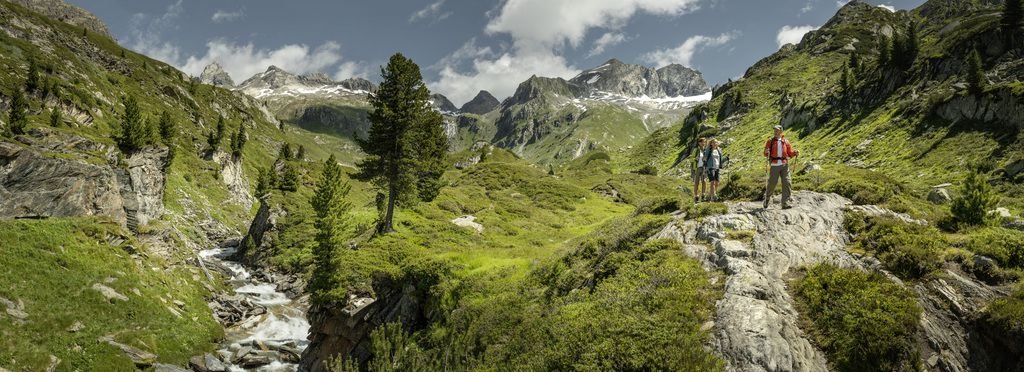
(862, 186)
(702, 210)
(657, 205)
(1006, 246)
(649, 170)
(861, 320)
(742, 187)
(971, 206)
(134, 131)
(908, 250)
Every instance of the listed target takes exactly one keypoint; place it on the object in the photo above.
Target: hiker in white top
(713, 165)
(699, 183)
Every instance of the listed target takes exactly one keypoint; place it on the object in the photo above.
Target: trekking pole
(767, 177)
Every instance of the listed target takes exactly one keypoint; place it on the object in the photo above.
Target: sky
(463, 46)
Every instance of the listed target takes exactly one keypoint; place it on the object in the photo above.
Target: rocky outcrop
(256, 242)
(67, 13)
(142, 185)
(37, 186)
(757, 326)
(1002, 107)
(214, 74)
(483, 103)
(344, 329)
(234, 178)
(359, 84)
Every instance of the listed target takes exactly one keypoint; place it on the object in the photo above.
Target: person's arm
(767, 148)
(789, 148)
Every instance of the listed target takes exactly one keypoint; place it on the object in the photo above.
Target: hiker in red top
(778, 151)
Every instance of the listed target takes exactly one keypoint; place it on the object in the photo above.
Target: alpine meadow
(446, 185)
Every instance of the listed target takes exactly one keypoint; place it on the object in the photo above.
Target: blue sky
(463, 46)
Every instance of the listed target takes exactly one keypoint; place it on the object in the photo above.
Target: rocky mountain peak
(214, 74)
(274, 77)
(358, 83)
(483, 103)
(441, 103)
(618, 78)
(316, 78)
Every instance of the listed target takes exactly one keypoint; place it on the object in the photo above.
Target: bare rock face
(483, 103)
(441, 103)
(1001, 106)
(36, 186)
(358, 84)
(214, 74)
(67, 13)
(142, 185)
(630, 80)
(233, 176)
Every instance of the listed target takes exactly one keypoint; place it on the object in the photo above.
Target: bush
(862, 186)
(743, 187)
(649, 170)
(702, 210)
(976, 198)
(908, 250)
(1006, 246)
(658, 205)
(861, 320)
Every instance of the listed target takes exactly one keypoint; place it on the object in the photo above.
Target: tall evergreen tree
(32, 83)
(846, 80)
(1012, 21)
(167, 128)
(331, 221)
(289, 178)
(55, 117)
(975, 73)
(401, 144)
(285, 153)
(855, 62)
(17, 114)
(217, 136)
(264, 182)
(238, 141)
(134, 132)
(884, 50)
(975, 200)
(300, 154)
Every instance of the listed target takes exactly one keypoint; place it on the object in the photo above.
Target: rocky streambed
(265, 328)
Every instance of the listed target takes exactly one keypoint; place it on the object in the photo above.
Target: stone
(109, 293)
(67, 13)
(254, 360)
(215, 75)
(810, 167)
(469, 221)
(1016, 224)
(1014, 168)
(213, 364)
(179, 304)
(1001, 212)
(54, 362)
(938, 196)
(160, 367)
(140, 358)
(77, 326)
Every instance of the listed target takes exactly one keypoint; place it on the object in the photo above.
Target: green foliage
(332, 220)
(906, 46)
(32, 82)
(1012, 20)
(846, 80)
(215, 137)
(17, 116)
(300, 154)
(884, 50)
(975, 73)
(167, 128)
(648, 170)
(55, 117)
(971, 206)
(861, 185)
(406, 145)
(264, 182)
(289, 178)
(50, 266)
(394, 350)
(238, 141)
(701, 210)
(910, 251)
(743, 186)
(134, 131)
(862, 321)
(658, 205)
(285, 153)
(1007, 313)
(1004, 245)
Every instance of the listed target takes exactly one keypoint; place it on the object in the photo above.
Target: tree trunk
(386, 225)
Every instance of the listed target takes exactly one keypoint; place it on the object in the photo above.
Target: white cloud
(432, 11)
(352, 70)
(145, 33)
(888, 7)
(808, 7)
(244, 61)
(840, 3)
(683, 54)
(607, 40)
(226, 16)
(792, 34)
(540, 31)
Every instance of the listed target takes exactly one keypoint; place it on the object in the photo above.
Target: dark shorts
(713, 175)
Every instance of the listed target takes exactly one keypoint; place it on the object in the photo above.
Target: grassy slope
(51, 265)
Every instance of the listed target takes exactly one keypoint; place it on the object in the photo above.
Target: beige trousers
(776, 172)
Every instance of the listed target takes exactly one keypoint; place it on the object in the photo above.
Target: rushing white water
(284, 322)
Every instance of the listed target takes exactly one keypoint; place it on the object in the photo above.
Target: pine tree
(975, 73)
(134, 132)
(17, 115)
(264, 182)
(289, 178)
(32, 83)
(401, 121)
(913, 44)
(167, 128)
(55, 117)
(846, 80)
(217, 136)
(430, 153)
(884, 50)
(300, 154)
(286, 152)
(55, 91)
(855, 62)
(975, 200)
(1012, 20)
(331, 221)
(238, 141)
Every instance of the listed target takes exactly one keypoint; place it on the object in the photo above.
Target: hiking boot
(765, 204)
(696, 199)
(787, 206)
